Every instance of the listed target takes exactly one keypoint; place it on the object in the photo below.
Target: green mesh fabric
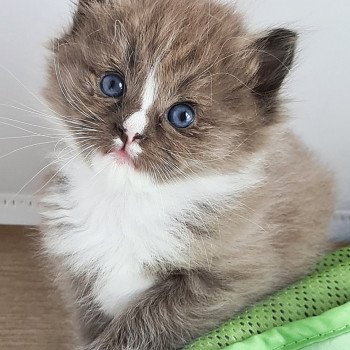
(327, 287)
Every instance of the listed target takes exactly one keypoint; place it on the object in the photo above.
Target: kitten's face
(165, 87)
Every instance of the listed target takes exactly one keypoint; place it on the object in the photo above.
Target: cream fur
(120, 220)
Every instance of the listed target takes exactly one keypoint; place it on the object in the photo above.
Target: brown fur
(209, 61)
(232, 79)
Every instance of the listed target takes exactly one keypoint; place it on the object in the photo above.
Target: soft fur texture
(159, 234)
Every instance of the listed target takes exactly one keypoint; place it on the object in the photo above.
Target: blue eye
(181, 116)
(112, 85)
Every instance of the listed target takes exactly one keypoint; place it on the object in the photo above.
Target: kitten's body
(153, 257)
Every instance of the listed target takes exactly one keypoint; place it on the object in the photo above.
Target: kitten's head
(169, 88)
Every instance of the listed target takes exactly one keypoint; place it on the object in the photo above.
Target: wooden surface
(31, 313)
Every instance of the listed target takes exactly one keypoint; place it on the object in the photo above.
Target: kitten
(181, 197)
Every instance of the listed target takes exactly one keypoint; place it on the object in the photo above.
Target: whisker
(64, 89)
(56, 119)
(60, 169)
(27, 110)
(20, 128)
(30, 124)
(27, 136)
(84, 105)
(23, 85)
(26, 147)
(73, 127)
(34, 177)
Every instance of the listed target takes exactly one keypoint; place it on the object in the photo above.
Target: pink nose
(131, 136)
(128, 136)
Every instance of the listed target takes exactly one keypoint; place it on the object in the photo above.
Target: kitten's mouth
(122, 157)
(126, 148)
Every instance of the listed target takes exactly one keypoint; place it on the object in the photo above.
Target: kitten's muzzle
(127, 136)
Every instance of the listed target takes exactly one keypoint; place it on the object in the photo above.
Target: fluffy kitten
(180, 197)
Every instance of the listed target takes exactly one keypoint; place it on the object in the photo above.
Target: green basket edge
(326, 264)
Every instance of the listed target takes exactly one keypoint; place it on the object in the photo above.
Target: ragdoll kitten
(181, 197)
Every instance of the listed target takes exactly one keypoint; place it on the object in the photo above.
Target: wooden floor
(31, 315)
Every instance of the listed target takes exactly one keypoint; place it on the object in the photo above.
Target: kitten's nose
(128, 137)
(134, 136)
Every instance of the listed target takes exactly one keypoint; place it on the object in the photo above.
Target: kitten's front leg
(172, 313)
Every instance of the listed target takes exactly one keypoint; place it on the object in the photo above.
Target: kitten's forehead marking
(138, 121)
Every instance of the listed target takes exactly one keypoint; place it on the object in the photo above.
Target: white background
(318, 89)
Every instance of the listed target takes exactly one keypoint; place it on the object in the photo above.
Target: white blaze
(138, 121)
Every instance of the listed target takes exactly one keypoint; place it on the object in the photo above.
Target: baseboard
(18, 210)
(23, 210)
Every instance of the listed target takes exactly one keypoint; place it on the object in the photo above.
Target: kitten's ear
(273, 56)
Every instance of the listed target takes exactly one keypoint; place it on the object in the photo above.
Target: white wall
(24, 28)
(319, 87)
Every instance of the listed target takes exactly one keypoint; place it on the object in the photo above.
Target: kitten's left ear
(273, 56)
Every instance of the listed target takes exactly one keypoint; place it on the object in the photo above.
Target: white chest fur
(112, 221)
